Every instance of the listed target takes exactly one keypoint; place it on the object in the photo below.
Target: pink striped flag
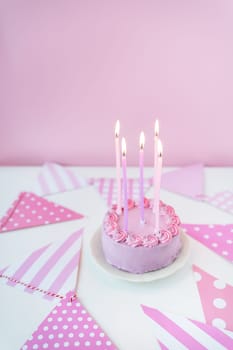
(69, 326)
(52, 268)
(180, 333)
(107, 188)
(30, 210)
(55, 178)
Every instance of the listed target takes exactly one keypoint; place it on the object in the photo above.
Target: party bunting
(107, 188)
(180, 333)
(216, 299)
(30, 210)
(69, 326)
(187, 181)
(221, 200)
(49, 271)
(55, 178)
(162, 346)
(218, 238)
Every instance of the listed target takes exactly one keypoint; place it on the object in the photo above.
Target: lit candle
(157, 185)
(123, 146)
(118, 166)
(141, 180)
(156, 138)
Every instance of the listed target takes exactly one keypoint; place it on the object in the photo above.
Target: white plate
(98, 256)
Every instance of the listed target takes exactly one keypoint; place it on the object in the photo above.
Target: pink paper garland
(216, 299)
(69, 326)
(30, 210)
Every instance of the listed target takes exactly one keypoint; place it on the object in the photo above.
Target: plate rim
(96, 251)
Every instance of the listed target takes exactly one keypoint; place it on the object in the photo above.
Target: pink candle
(156, 138)
(157, 186)
(123, 145)
(118, 166)
(141, 179)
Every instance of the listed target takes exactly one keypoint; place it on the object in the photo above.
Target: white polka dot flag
(218, 238)
(180, 333)
(222, 200)
(216, 299)
(30, 210)
(69, 326)
(49, 271)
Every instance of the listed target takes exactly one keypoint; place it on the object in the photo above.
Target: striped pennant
(52, 268)
(107, 187)
(179, 333)
(55, 178)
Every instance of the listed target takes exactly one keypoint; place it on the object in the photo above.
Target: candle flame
(142, 140)
(156, 127)
(117, 128)
(160, 148)
(123, 146)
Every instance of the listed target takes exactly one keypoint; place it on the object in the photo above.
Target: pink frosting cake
(140, 249)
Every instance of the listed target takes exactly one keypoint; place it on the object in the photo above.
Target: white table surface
(115, 304)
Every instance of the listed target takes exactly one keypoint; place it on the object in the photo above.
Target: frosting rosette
(146, 203)
(165, 236)
(174, 230)
(109, 230)
(175, 220)
(150, 241)
(112, 217)
(134, 240)
(120, 236)
(170, 211)
(131, 203)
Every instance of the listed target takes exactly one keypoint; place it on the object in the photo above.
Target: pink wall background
(69, 69)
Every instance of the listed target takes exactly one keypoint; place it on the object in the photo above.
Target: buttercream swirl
(120, 236)
(170, 229)
(131, 204)
(165, 236)
(150, 241)
(113, 217)
(175, 220)
(174, 230)
(134, 240)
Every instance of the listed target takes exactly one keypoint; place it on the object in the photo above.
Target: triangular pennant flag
(187, 181)
(69, 326)
(216, 299)
(54, 178)
(221, 200)
(30, 210)
(181, 333)
(162, 346)
(107, 187)
(49, 271)
(218, 238)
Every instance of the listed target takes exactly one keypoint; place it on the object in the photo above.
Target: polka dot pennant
(218, 238)
(30, 210)
(69, 326)
(222, 200)
(216, 299)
